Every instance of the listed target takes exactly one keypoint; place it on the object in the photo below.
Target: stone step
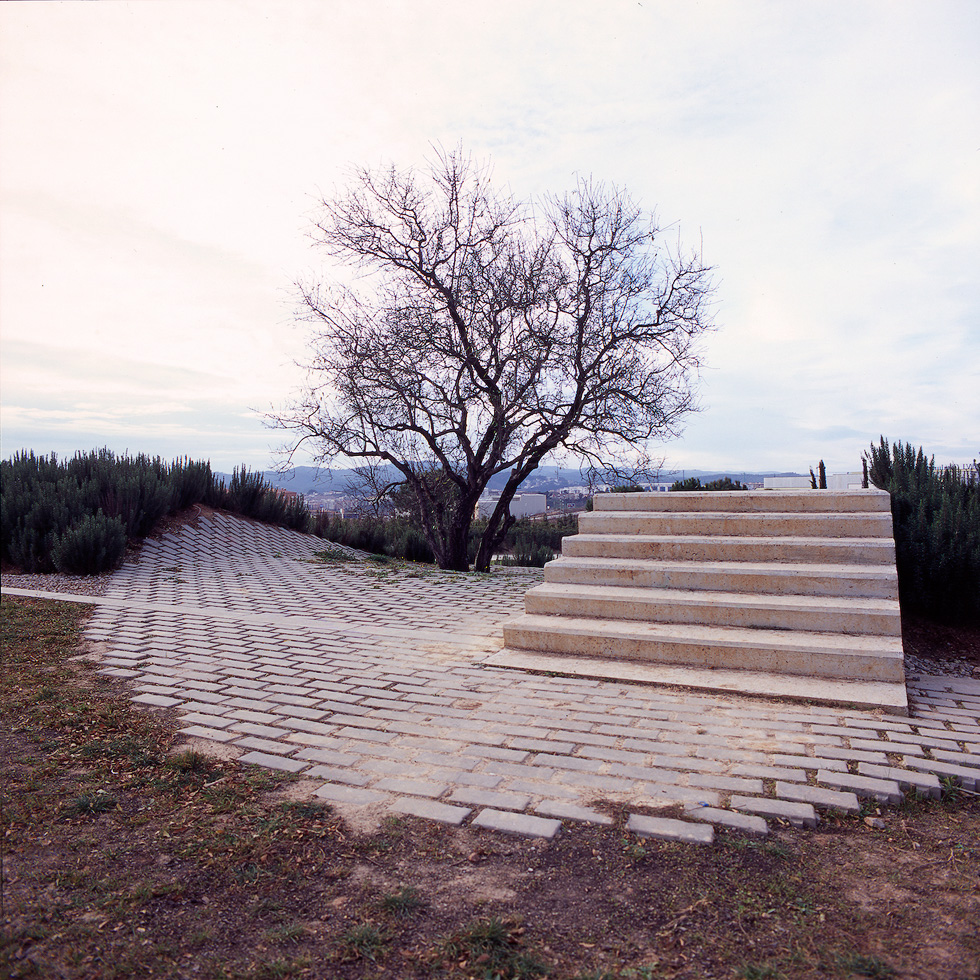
(864, 658)
(817, 614)
(711, 548)
(731, 501)
(820, 525)
(772, 578)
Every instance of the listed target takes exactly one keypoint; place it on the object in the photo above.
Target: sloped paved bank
(368, 679)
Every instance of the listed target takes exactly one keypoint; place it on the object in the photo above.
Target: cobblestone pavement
(367, 678)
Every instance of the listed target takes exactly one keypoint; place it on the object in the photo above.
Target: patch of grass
(331, 555)
(496, 948)
(92, 804)
(288, 932)
(402, 902)
(764, 971)
(364, 941)
(865, 966)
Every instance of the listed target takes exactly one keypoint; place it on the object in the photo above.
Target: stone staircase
(787, 593)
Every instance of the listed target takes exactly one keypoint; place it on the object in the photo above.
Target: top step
(749, 501)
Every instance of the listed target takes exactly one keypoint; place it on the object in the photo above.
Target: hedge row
(77, 516)
(936, 515)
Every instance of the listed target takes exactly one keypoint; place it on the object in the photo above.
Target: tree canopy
(484, 334)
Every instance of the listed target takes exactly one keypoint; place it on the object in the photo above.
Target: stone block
(431, 810)
(522, 824)
(666, 828)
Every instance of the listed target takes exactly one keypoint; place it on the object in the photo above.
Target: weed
(865, 966)
(403, 902)
(494, 945)
(289, 932)
(764, 972)
(93, 804)
(364, 941)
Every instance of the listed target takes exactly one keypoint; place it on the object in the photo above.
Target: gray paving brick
(156, 700)
(922, 782)
(212, 734)
(522, 824)
(850, 755)
(328, 756)
(798, 814)
(411, 787)
(885, 790)
(592, 780)
(566, 762)
(200, 718)
(725, 783)
(769, 772)
(496, 752)
(747, 823)
(665, 828)
(660, 794)
(263, 731)
(338, 793)
(484, 779)
(431, 810)
(266, 745)
(645, 772)
(273, 761)
(547, 790)
(957, 758)
(350, 777)
(966, 776)
(802, 793)
(564, 810)
(477, 796)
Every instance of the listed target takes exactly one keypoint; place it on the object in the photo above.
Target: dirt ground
(126, 855)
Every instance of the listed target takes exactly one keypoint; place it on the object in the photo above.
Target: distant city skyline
(160, 163)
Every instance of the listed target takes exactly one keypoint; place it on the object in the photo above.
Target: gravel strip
(77, 584)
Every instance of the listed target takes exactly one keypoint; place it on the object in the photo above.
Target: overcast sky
(160, 161)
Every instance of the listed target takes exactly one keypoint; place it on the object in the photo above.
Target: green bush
(43, 499)
(393, 536)
(92, 545)
(936, 515)
(694, 483)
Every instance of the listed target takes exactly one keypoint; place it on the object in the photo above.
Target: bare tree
(486, 334)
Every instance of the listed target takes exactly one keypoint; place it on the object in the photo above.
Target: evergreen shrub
(93, 544)
(936, 516)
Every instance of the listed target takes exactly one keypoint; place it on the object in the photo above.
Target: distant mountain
(311, 479)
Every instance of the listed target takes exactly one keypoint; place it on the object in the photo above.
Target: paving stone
(156, 700)
(730, 783)
(922, 782)
(803, 793)
(263, 731)
(884, 790)
(566, 762)
(957, 758)
(564, 810)
(522, 824)
(212, 734)
(328, 756)
(349, 776)
(659, 795)
(798, 814)
(966, 776)
(411, 787)
(728, 818)
(431, 810)
(337, 793)
(477, 796)
(665, 828)
(266, 745)
(592, 780)
(273, 761)
(770, 772)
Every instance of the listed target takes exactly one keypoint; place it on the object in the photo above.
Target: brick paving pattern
(367, 677)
